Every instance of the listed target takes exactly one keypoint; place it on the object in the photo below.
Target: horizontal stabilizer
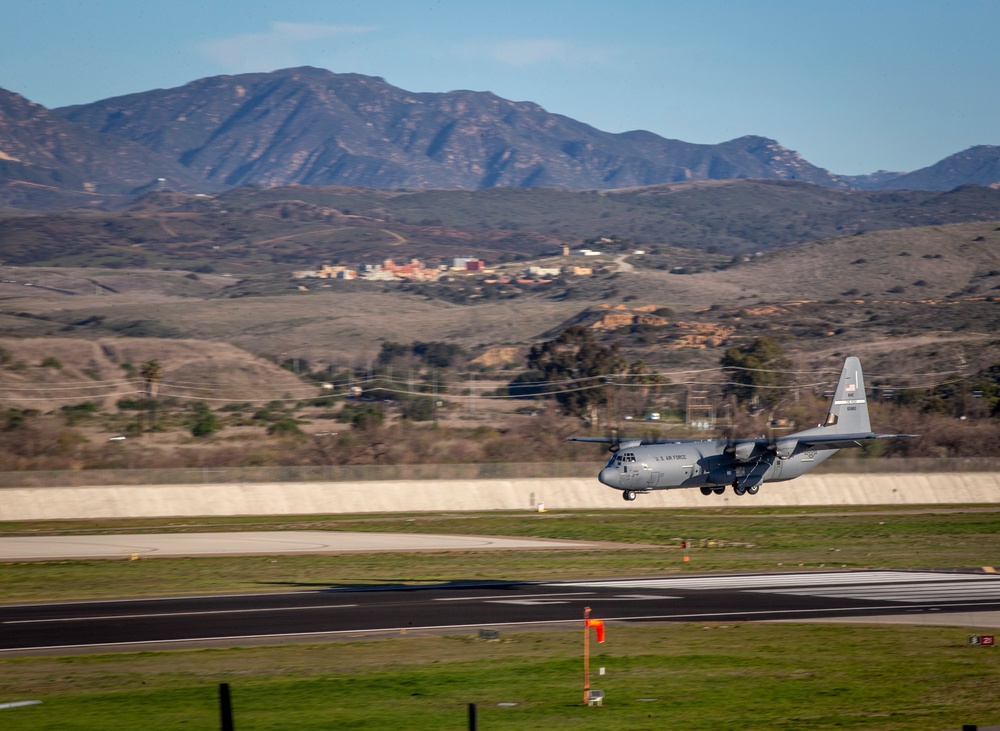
(842, 441)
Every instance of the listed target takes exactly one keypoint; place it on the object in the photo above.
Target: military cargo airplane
(643, 465)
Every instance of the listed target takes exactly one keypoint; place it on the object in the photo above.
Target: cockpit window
(620, 458)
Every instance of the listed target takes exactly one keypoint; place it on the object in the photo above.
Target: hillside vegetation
(251, 231)
(244, 358)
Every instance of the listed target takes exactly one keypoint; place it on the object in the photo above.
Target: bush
(205, 423)
(285, 428)
(78, 411)
(419, 409)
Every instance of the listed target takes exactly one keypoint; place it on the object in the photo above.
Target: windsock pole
(597, 624)
(586, 655)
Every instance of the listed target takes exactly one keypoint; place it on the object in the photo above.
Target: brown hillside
(47, 373)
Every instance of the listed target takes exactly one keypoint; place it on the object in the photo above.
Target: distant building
(389, 269)
(335, 272)
(544, 271)
(376, 275)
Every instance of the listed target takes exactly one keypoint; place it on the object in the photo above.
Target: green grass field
(672, 676)
(648, 542)
(693, 676)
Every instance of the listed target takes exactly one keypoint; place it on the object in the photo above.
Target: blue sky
(853, 86)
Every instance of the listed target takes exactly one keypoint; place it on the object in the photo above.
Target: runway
(969, 600)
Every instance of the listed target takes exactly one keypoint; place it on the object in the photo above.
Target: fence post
(225, 708)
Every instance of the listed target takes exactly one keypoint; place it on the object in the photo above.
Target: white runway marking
(782, 580)
(915, 593)
(178, 614)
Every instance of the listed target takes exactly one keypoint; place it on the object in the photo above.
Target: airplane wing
(632, 441)
(744, 448)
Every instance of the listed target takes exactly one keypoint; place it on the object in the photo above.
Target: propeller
(615, 443)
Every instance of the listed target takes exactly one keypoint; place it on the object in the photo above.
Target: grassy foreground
(728, 539)
(680, 677)
(696, 676)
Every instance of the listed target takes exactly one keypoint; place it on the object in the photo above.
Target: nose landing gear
(628, 495)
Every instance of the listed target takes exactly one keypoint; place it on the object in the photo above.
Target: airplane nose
(608, 476)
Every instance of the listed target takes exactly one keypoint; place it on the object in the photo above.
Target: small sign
(982, 640)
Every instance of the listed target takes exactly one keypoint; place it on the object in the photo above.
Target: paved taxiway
(38, 548)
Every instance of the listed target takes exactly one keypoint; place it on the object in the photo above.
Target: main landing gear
(737, 488)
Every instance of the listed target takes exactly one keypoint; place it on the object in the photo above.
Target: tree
(419, 409)
(205, 423)
(758, 372)
(151, 372)
(575, 368)
(392, 351)
(437, 354)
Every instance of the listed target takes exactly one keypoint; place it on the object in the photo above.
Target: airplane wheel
(753, 490)
(628, 495)
(706, 491)
(739, 490)
(719, 490)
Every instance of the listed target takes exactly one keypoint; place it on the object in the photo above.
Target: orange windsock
(597, 624)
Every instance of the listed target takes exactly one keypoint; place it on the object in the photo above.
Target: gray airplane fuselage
(641, 465)
(695, 464)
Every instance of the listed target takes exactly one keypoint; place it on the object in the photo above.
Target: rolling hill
(251, 231)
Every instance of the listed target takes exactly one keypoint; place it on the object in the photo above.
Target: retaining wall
(304, 498)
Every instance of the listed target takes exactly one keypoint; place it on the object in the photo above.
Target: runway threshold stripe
(176, 614)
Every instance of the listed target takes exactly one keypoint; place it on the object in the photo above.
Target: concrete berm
(306, 498)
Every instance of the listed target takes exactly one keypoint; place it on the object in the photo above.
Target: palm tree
(151, 372)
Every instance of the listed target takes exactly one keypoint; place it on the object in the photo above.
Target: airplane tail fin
(849, 410)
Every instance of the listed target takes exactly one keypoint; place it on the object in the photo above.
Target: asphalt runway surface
(969, 599)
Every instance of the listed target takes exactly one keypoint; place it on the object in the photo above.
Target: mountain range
(309, 126)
